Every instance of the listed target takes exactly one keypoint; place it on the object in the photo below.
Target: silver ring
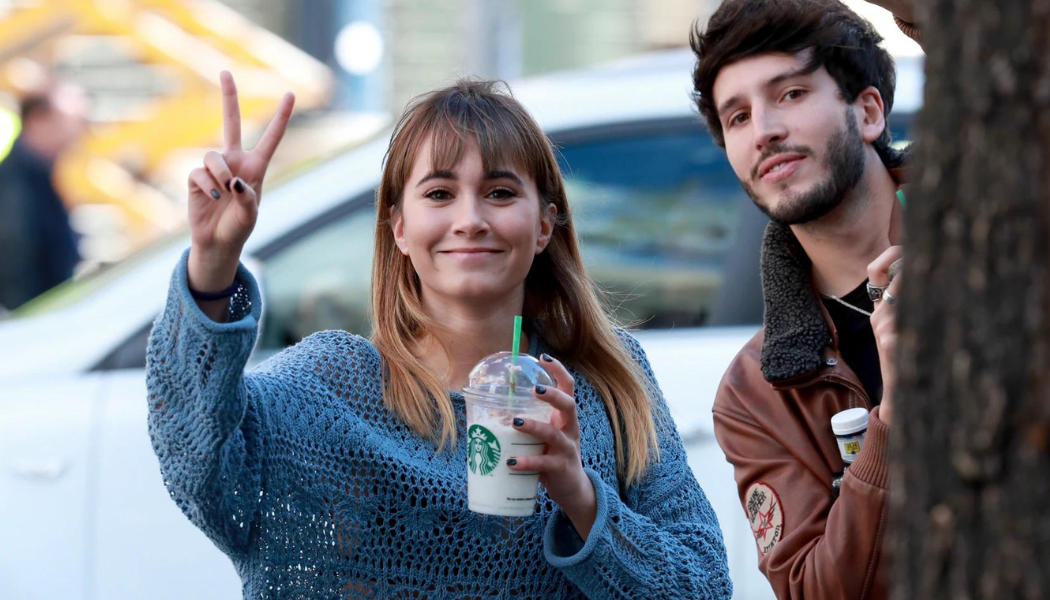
(876, 292)
(889, 298)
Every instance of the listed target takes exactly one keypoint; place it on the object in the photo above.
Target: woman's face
(471, 235)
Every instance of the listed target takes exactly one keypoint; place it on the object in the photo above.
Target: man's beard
(844, 161)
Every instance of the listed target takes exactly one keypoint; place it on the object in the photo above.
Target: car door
(48, 431)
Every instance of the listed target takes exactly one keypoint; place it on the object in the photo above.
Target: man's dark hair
(33, 105)
(846, 45)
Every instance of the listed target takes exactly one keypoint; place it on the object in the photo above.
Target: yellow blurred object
(10, 127)
(192, 40)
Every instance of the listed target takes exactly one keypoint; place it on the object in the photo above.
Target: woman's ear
(548, 219)
(397, 227)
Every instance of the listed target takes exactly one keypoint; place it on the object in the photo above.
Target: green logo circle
(483, 453)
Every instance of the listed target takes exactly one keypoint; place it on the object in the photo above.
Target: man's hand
(884, 325)
(902, 9)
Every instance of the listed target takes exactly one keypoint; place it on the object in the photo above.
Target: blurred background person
(37, 245)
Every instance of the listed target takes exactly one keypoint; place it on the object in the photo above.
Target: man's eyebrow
(728, 104)
(806, 70)
(436, 175)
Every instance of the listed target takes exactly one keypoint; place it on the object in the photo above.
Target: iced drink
(499, 389)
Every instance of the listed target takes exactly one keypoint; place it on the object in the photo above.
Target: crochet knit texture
(314, 489)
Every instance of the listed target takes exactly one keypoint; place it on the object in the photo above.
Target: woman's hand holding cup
(560, 466)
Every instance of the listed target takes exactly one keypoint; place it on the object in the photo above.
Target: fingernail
(238, 185)
(215, 194)
(519, 422)
(511, 462)
(546, 357)
(541, 389)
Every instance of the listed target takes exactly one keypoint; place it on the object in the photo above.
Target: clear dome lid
(500, 375)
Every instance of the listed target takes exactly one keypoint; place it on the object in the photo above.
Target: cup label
(484, 452)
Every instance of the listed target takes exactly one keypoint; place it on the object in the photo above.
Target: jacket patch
(766, 516)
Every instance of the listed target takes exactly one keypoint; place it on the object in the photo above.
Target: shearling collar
(796, 327)
(796, 331)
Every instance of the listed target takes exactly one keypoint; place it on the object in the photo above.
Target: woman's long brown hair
(558, 293)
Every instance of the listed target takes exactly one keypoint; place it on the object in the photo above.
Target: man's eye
(438, 195)
(739, 118)
(502, 194)
(794, 94)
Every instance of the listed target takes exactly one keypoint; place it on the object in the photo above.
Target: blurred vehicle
(665, 228)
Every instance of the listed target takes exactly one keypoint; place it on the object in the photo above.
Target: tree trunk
(971, 445)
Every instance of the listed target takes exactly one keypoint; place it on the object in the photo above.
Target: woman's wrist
(211, 271)
(583, 512)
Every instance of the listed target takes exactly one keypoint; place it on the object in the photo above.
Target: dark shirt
(857, 340)
(38, 248)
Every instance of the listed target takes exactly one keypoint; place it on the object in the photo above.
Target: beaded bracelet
(221, 295)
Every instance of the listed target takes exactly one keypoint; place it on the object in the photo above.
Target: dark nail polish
(546, 357)
(541, 389)
(215, 194)
(519, 422)
(511, 462)
(238, 185)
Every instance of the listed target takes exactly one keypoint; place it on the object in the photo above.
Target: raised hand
(224, 194)
(884, 325)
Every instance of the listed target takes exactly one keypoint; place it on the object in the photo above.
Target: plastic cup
(498, 390)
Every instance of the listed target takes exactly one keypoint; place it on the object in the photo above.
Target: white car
(83, 511)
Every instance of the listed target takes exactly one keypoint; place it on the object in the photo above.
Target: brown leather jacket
(772, 419)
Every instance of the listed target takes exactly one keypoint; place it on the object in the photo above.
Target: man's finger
(275, 131)
(231, 113)
(879, 269)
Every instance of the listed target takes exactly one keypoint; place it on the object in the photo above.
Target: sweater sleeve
(661, 540)
(205, 420)
(810, 544)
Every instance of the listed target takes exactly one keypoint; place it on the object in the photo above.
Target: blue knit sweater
(314, 489)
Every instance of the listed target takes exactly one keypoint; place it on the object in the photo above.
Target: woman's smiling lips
(471, 254)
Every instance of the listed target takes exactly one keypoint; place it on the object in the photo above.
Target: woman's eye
(502, 194)
(438, 195)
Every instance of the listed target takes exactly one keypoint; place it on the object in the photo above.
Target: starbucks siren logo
(483, 454)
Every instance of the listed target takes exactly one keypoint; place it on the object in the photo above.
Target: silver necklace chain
(847, 304)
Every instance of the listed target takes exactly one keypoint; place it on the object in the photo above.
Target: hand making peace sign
(224, 194)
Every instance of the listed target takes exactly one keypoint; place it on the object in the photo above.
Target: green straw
(514, 352)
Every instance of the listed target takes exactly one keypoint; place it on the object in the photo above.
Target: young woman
(338, 468)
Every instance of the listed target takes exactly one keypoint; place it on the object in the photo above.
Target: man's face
(792, 140)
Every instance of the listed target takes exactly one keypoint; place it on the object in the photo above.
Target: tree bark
(971, 440)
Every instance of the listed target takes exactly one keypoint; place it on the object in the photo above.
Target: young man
(37, 243)
(798, 92)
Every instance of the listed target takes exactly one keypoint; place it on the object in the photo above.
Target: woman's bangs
(500, 141)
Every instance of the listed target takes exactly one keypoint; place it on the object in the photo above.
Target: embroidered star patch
(766, 516)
